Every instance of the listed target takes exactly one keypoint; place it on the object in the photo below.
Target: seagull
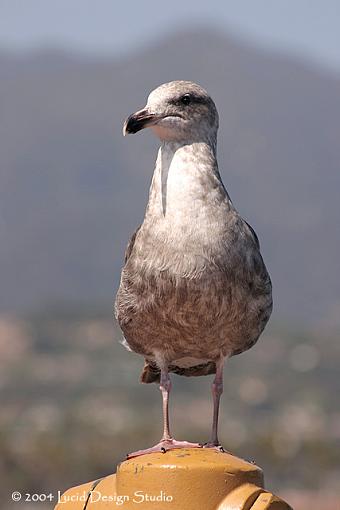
(194, 289)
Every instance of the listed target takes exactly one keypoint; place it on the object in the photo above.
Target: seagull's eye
(186, 99)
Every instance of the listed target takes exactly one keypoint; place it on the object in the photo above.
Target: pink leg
(167, 442)
(165, 387)
(217, 390)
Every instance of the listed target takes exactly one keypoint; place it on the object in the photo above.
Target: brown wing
(254, 234)
(129, 247)
(127, 255)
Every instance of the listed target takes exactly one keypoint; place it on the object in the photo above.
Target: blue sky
(309, 28)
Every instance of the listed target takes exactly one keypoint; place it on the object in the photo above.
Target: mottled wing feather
(127, 255)
(254, 234)
(130, 245)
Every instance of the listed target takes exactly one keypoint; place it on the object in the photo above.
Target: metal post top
(180, 479)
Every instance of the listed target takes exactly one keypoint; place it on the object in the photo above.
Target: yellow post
(185, 479)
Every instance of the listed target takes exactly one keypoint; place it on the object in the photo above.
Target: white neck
(186, 183)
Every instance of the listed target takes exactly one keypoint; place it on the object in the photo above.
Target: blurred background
(72, 191)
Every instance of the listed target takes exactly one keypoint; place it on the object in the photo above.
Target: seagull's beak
(140, 120)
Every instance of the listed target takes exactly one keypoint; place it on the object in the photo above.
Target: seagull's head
(177, 111)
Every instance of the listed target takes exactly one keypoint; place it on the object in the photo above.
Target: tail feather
(151, 373)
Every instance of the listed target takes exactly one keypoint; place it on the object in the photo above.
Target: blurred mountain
(72, 190)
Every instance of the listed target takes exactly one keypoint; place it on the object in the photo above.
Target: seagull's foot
(163, 446)
(216, 446)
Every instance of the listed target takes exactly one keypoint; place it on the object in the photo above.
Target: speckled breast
(199, 317)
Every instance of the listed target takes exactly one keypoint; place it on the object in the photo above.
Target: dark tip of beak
(138, 121)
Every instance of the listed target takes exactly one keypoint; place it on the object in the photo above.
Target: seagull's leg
(167, 442)
(165, 387)
(217, 390)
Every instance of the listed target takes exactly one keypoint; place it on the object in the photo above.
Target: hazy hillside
(72, 189)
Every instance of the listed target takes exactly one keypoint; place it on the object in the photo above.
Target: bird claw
(217, 447)
(163, 446)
